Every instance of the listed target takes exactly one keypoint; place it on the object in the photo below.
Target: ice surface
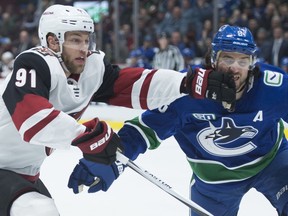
(131, 194)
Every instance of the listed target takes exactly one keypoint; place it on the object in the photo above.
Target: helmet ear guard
(233, 39)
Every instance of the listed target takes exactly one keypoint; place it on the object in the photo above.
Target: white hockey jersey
(40, 106)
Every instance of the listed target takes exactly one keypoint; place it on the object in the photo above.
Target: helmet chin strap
(58, 56)
(253, 73)
(242, 87)
(67, 72)
(249, 81)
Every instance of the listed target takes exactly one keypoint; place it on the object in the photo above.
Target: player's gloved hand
(96, 176)
(98, 143)
(201, 83)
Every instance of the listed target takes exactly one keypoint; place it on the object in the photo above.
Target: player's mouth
(80, 60)
(236, 77)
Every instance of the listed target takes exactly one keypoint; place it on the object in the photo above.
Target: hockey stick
(161, 184)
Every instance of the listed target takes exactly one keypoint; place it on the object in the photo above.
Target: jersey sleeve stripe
(29, 106)
(40, 125)
(145, 88)
(123, 87)
(140, 88)
(62, 129)
(137, 99)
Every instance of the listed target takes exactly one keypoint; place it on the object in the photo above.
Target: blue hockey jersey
(220, 146)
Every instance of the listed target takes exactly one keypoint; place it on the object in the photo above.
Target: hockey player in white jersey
(48, 91)
(230, 149)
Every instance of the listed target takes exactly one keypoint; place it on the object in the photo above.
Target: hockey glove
(98, 143)
(94, 175)
(218, 86)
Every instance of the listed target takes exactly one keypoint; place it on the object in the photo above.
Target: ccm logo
(102, 140)
(199, 81)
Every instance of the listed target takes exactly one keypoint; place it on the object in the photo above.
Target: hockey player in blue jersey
(231, 148)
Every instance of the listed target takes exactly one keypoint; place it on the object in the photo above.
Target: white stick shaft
(161, 184)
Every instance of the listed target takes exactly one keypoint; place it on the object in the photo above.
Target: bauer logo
(102, 141)
(204, 116)
(199, 81)
(272, 78)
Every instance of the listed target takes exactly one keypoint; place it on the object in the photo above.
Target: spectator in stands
(283, 13)
(7, 25)
(126, 10)
(190, 41)
(284, 64)
(205, 7)
(145, 27)
(285, 35)
(174, 22)
(160, 22)
(187, 16)
(258, 9)
(253, 26)
(188, 55)
(202, 10)
(136, 59)
(263, 44)
(31, 18)
(176, 40)
(5, 44)
(278, 46)
(270, 11)
(238, 18)
(206, 36)
(23, 43)
(168, 56)
(276, 22)
(6, 64)
(126, 43)
(147, 49)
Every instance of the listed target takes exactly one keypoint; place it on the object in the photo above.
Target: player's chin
(239, 85)
(78, 69)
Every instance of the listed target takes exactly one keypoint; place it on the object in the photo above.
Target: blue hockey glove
(96, 176)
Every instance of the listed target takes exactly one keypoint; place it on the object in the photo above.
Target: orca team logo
(216, 140)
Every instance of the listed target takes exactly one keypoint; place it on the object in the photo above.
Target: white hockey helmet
(58, 19)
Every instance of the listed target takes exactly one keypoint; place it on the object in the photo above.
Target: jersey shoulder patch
(44, 51)
(273, 78)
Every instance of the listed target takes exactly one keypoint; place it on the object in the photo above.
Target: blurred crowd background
(184, 26)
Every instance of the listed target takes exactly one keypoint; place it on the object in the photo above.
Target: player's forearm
(62, 129)
(140, 88)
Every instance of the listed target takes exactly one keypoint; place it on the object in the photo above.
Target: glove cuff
(199, 83)
(183, 87)
(108, 155)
